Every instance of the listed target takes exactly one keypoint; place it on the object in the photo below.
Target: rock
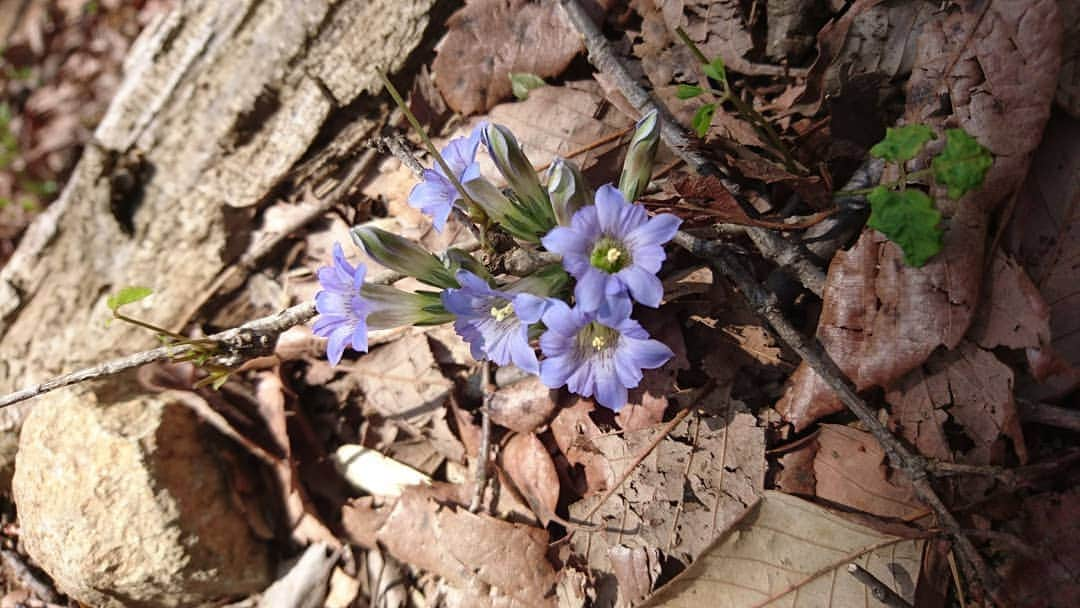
(125, 504)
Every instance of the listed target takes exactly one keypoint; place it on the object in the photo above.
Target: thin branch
(881, 592)
(484, 453)
(1049, 415)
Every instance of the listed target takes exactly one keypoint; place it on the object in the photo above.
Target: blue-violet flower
(342, 310)
(436, 194)
(493, 322)
(598, 354)
(613, 247)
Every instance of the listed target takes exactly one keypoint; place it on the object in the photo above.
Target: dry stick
(881, 592)
(764, 303)
(679, 140)
(1049, 415)
(480, 477)
(25, 574)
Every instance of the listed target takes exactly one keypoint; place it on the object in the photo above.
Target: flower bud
(503, 211)
(392, 307)
(402, 255)
(637, 168)
(458, 259)
(567, 190)
(546, 282)
(505, 152)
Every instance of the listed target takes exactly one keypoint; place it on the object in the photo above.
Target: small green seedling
(523, 82)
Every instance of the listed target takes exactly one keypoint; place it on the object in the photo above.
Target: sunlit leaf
(962, 164)
(523, 82)
(126, 296)
(716, 70)
(909, 219)
(902, 143)
(703, 118)
(688, 91)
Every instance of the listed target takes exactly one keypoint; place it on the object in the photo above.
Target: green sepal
(902, 144)
(402, 255)
(962, 165)
(909, 219)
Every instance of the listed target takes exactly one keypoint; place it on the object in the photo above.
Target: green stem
(150, 326)
(900, 183)
(690, 45)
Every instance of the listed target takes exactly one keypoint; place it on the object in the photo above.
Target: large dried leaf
(489, 39)
(402, 381)
(586, 469)
(969, 387)
(1045, 237)
(473, 552)
(880, 317)
(691, 486)
(527, 462)
(848, 467)
(1050, 525)
(1068, 93)
(788, 552)
(1013, 313)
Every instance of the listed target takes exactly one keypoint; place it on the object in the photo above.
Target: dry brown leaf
(1050, 525)
(1068, 93)
(1045, 237)
(1013, 313)
(881, 318)
(713, 466)
(851, 469)
(969, 387)
(529, 465)
(523, 406)
(402, 381)
(574, 432)
(636, 569)
(473, 552)
(789, 552)
(488, 39)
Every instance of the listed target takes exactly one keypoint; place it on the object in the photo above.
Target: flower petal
(359, 337)
(647, 354)
(335, 346)
(610, 393)
(644, 286)
(523, 355)
(591, 288)
(555, 370)
(529, 308)
(609, 206)
(657, 231)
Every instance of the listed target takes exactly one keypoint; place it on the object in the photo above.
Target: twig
(913, 465)
(679, 140)
(881, 592)
(396, 147)
(24, 573)
(1049, 415)
(480, 477)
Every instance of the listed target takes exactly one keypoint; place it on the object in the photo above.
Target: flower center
(609, 255)
(594, 338)
(500, 313)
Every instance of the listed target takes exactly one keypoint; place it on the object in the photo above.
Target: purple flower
(613, 247)
(597, 354)
(436, 194)
(342, 310)
(495, 323)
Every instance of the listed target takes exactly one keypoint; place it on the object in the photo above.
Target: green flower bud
(545, 282)
(567, 190)
(505, 212)
(461, 260)
(392, 307)
(637, 168)
(402, 255)
(505, 152)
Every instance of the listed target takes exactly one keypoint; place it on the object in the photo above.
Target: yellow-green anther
(598, 342)
(567, 190)
(500, 313)
(404, 256)
(637, 168)
(515, 167)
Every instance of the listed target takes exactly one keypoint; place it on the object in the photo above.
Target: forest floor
(735, 475)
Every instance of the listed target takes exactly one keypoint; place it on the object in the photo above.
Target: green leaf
(127, 295)
(716, 70)
(902, 143)
(703, 118)
(909, 219)
(688, 91)
(523, 82)
(962, 164)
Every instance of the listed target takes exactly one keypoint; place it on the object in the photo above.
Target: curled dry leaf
(969, 387)
(794, 553)
(575, 432)
(473, 552)
(1013, 313)
(529, 465)
(523, 406)
(881, 318)
(488, 39)
(636, 569)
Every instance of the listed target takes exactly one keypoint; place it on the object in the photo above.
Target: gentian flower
(637, 166)
(613, 247)
(598, 354)
(495, 323)
(567, 190)
(436, 194)
(348, 308)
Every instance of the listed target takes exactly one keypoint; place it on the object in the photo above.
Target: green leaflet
(523, 82)
(127, 295)
(703, 118)
(909, 219)
(902, 143)
(962, 165)
(716, 70)
(688, 91)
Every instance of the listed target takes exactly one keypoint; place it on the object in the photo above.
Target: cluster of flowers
(609, 245)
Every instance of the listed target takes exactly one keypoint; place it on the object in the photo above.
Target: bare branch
(881, 592)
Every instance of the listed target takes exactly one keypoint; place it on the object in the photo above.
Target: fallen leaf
(1068, 93)
(636, 569)
(1048, 523)
(402, 381)
(487, 40)
(789, 551)
(529, 465)
(713, 466)
(1013, 313)
(473, 552)
(969, 387)
(574, 432)
(523, 406)
(305, 584)
(881, 318)
(374, 473)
